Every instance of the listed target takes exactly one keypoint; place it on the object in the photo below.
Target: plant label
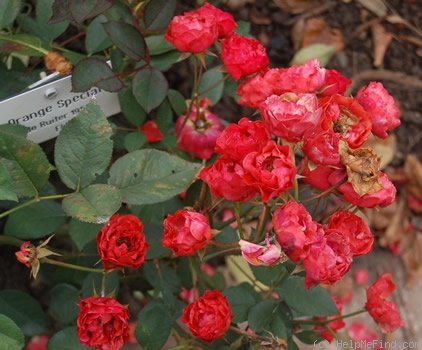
(45, 109)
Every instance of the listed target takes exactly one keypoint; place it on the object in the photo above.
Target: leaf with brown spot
(362, 167)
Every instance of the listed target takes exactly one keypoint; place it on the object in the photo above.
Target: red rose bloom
(237, 140)
(380, 104)
(186, 232)
(272, 170)
(225, 177)
(192, 32)
(322, 147)
(225, 21)
(209, 317)
(102, 323)
(308, 77)
(200, 132)
(151, 131)
(121, 242)
(290, 115)
(384, 312)
(295, 229)
(242, 56)
(359, 236)
(318, 177)
(335, 83)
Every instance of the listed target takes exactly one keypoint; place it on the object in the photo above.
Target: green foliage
(11, 336)
(66, 339)
(64, 303)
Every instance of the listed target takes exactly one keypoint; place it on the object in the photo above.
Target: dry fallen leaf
(238, 4)
(397, 229)
(385, 148)
(297, 6)
(413, 172)
(381, 41)
(377, 7)
(412, 260)
(316, 30)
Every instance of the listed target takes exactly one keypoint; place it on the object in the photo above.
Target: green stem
(32, 201)
(327, 321)
(71, 266)
(260, 233)
(23, 43)
(9, 240)
(213, 86)
(239, 222)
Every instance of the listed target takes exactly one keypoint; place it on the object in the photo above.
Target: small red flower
(384, 312)
(225, 21)
(209, 317)
(186, 232)
(37, 342)
(335, 83)
(295, 229)
(121, 242)
(380, 104)
(358, 234)
(192, 32)
(198, 133)
(270, 170)
(242, 56)
(102, 323)
(321, 146)
(152, 132)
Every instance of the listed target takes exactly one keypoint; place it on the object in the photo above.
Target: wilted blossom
(256, 254)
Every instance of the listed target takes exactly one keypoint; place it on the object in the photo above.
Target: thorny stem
(322, 194)
(266, 210)
(9, 240)
(239, 223)
(32, 201)
(327, 321)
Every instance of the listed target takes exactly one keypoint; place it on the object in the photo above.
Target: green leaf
(35, 221)
(24, 310)
(309, 337)
(313, 302)
(134, 140)
(83, 232)
(83, 148)
(158, 14)
(27, 165)
(269, 275)
(150, 176)
(66, 339)
(40, 24)
(78, 10)
(212, 84)
(95, 203)
(321, 52)
(6, 186)
(157, 45)
(92, 71)
(164, 61)
(64, 303)
(96, 38)
(154, 325)
(11, 337)
(154, 234)
(241, 298)
(177, 101)
(149, 88)
(92, 284)
(9, 9)
(26, 44)
(262, 314)
(128, 39)
(131, 109)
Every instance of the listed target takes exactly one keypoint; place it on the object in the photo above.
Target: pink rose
(256, 254)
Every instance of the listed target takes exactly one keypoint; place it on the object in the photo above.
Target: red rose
(271, 170)
(200, 132)
(384, 312)
(151, 131)
(359, 236)
(102, 323)
(121, 243)
(192, 32)
(335, 83)
(347, 118)
(225, 177)
(242, 56)
(290, 115)
(380, 104)
(295, 229)
(318, 177)
(237, 140)
(322, 147)
(186, 232)
(209, 317)
(308, 77)
(225, 21)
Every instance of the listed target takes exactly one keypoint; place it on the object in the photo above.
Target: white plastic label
(45, 109)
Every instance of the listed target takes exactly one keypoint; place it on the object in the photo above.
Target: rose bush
(166, 224)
